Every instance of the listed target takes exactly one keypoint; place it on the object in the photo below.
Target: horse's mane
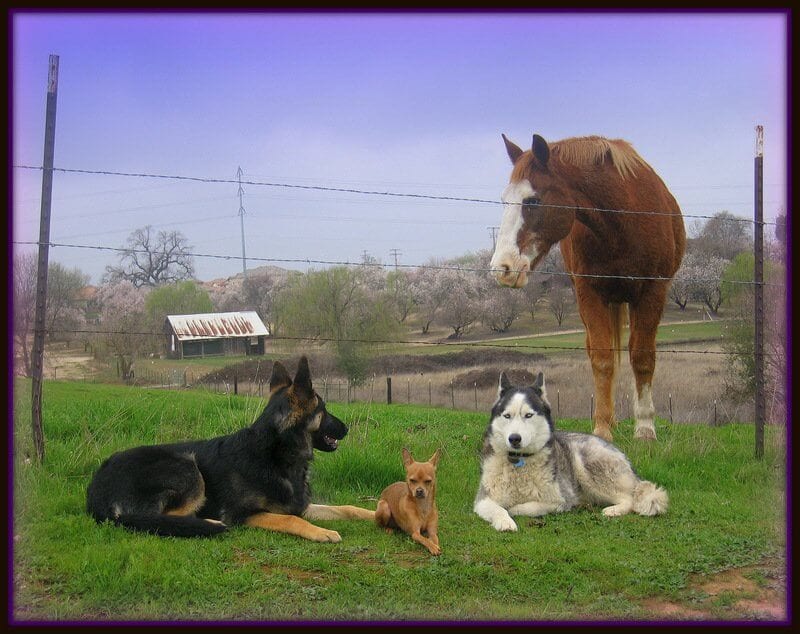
(592, 150)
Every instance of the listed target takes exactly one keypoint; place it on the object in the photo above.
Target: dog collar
(517, 458)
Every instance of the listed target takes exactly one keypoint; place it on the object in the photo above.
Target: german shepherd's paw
(324, 535)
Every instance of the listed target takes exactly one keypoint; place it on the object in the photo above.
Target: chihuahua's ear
(435, 457)
(407, 459)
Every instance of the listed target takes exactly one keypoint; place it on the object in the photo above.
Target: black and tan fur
(258, 476)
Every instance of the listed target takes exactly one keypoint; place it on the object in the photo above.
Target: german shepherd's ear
(538, 387)
(504, 386)
(434, 459)
(280, 378)
(302, 381)
(407, 459)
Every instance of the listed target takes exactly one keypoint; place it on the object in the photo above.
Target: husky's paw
(504, 524)
(616, 510)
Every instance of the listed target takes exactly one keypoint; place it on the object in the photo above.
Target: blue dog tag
(519, 463)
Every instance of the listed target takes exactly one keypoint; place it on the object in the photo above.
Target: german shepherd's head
(304, 407)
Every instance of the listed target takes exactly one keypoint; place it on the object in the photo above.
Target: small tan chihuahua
(411, 505)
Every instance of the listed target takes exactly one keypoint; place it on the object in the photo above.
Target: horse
(622, 238)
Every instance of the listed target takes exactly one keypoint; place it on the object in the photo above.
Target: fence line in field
(399, 390)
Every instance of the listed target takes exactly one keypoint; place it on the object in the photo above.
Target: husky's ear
(280, 378)
(407, 459)
(505, 384)
(538, 386)
(302, 380)
(434, 459)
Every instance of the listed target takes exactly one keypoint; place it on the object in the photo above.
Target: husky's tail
(171, 525)
(649, 499)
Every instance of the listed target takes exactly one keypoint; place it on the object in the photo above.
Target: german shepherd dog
(529, 468)
(258, 476)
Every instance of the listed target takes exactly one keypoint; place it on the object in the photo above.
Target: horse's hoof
(645, 434)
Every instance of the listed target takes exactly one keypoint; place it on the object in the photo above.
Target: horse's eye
(532, 200)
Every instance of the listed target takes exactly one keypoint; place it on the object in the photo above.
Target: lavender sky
(407, 103)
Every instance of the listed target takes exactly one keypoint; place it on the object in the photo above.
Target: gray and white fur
(528, 468)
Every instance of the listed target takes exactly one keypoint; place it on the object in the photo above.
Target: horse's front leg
(596, 316)
(645, 317)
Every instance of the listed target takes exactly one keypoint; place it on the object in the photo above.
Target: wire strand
(435, 267)
(348, 190)
(316, 339)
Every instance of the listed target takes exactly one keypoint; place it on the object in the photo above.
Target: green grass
(725, 512)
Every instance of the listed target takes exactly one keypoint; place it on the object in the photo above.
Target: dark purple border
(408, 8)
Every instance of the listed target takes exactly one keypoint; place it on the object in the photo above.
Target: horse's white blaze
(507, 255)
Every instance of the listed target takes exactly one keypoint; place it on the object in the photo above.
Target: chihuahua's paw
(504, 524)
(435, 550)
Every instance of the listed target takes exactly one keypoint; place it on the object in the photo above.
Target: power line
(368, 261)
(365, 192)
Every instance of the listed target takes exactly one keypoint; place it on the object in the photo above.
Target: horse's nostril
(505, 268)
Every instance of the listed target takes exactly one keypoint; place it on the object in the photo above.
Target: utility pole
(760, 410)
(44, 256)
(395, 253)
(241, 218)
(493, 231)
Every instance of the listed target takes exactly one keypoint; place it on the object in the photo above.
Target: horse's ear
(514, 151)
(279, 379)
(504, 386)
(540, 150)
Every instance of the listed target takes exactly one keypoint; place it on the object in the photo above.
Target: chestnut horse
(622, 239)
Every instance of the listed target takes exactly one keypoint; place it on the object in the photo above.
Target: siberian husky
(528, 468)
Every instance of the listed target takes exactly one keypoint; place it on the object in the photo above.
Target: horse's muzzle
(511, 271)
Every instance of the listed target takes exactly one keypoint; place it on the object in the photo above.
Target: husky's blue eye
(529, 414)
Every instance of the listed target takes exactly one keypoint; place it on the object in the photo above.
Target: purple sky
(405, 102)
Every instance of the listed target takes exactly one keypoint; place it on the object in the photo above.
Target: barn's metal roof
(217, 325)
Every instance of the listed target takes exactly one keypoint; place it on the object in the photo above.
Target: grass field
(726, 512)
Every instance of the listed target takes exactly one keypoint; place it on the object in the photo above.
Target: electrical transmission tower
(395, 253)
(241, 218)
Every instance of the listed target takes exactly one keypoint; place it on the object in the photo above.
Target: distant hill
(233, 284)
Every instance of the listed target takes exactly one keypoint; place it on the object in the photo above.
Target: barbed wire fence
(408, 388)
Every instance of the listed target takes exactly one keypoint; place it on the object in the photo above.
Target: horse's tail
(619, 315)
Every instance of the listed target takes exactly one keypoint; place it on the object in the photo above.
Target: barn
(215, 334)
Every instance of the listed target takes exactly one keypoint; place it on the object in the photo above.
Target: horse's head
(529, 227)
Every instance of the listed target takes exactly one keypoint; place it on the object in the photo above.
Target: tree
(461, 307)
(706, 281)
(25, 265)
(336, 305)
(123, 323)
(739, 342)
(63, 314)
(431, 291)
(153, 259)
(680, 289)
(499, 307)
(401, 293)
(724, 236)
(259, 293)
(559, 300)
(181, 298)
